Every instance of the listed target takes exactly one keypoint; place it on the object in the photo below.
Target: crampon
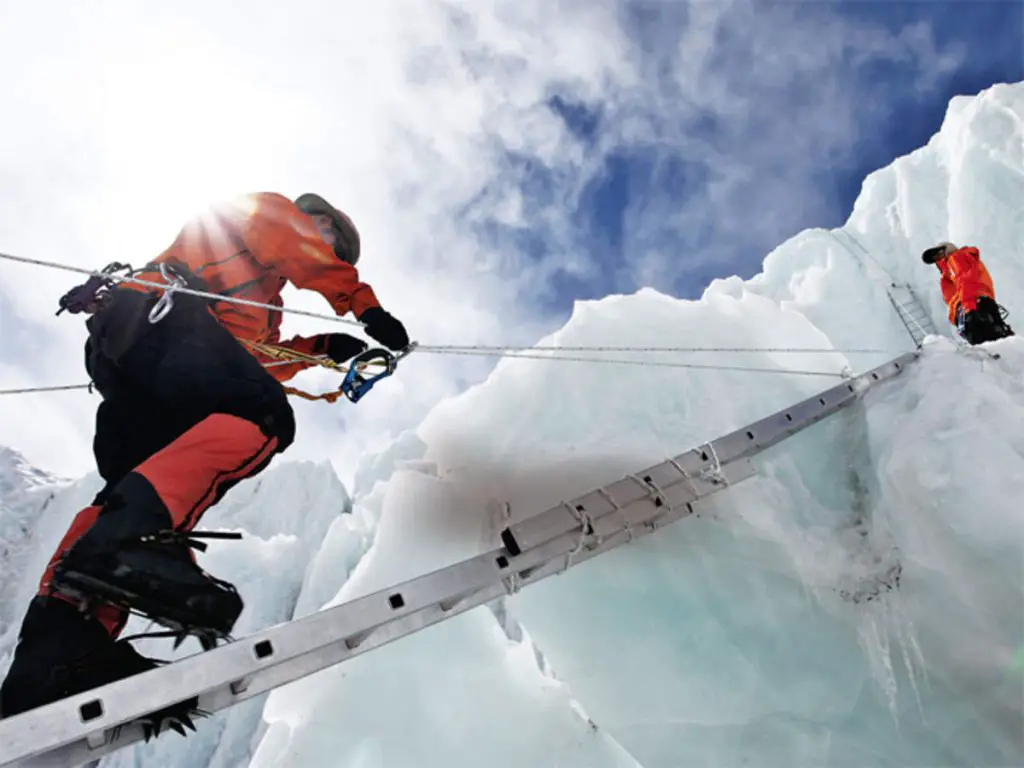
(179, 717)
(88, 591)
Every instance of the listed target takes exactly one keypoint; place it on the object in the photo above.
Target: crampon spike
(178, 719)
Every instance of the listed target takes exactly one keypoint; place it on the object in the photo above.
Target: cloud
(432, 124)
(405, 114)
(745, 111)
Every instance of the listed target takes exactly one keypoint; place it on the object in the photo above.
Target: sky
(501, 159)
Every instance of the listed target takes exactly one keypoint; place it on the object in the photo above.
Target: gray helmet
(936, 252)
(346, 242)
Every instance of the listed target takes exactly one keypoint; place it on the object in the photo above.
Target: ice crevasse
(730, 638)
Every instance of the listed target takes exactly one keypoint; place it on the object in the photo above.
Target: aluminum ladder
(82, 728)
(915, 319)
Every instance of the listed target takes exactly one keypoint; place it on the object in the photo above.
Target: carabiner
(355, 384)
(166, 302)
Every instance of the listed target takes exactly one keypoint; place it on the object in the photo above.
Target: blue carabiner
(356, 384)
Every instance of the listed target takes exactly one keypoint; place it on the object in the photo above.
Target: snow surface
(740, 636)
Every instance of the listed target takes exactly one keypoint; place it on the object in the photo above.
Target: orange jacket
(250, 248)
(964, 279)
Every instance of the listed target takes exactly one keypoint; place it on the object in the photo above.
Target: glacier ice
(732, 638)
(766, 630)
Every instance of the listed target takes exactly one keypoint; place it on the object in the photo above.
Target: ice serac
(35, 510)
(857, 603)
(284, 515)
(461, 693)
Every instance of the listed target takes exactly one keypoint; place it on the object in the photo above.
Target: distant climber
(187, 413)
(968, 292)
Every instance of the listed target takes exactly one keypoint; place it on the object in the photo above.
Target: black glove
(338, 346)
(383, 327)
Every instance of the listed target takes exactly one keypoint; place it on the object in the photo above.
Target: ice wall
(765, 630)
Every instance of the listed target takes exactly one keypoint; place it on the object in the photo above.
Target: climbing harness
(94, 294)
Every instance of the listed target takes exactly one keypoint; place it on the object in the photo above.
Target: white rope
(795, 350)
(864, 250)
(686, 477)
(512, 584)
(192, 291)
(626, 525)
(905, 314)
(523, 352)
(659, 496)
(586, 524)
(714, 473)
(44, 389)
(639, 363)
(89, 386)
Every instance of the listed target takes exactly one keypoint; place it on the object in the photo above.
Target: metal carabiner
(356, 384)
(166, 302)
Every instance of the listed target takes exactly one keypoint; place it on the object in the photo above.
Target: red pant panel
(194, 471)
(189, 476)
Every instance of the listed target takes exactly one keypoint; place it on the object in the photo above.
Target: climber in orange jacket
(968, 291)
(250, 247)
(188, 411)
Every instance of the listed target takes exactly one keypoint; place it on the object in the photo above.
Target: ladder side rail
(746, 441)
(245, 668)
(235, 666)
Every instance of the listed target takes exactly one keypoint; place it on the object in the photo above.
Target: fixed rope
(800, 350)
(192, 291)
(284, 356)
(638, 363)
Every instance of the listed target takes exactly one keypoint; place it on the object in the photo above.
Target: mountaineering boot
(62, 652)
(155, 576)
(131, 559)
(986, 323)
